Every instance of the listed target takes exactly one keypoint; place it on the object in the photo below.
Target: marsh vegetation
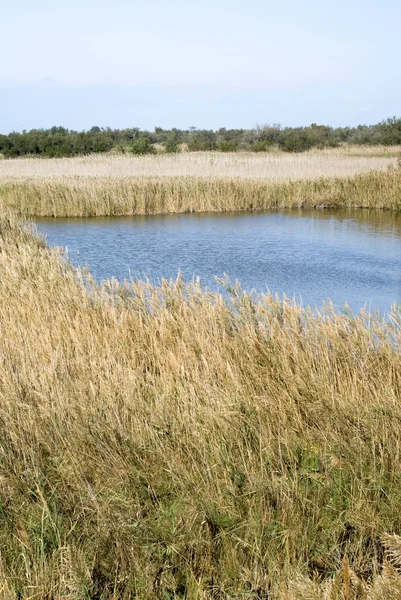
(120, 185)
(161, 442)
(158, 442)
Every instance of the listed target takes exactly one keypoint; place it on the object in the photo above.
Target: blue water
(352, 257)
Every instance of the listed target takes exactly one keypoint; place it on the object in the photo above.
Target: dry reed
(111, 197)
(120, 185)
(161, 443)
(220, 165)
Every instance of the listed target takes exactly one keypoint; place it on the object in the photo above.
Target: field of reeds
(159, 442)
(193, 182)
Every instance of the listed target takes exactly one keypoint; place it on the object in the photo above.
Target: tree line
(59, 141)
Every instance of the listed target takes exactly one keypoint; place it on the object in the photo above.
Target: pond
(350, 257)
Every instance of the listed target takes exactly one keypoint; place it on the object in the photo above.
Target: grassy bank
(156, 443)
(119, 185)
(129, 196)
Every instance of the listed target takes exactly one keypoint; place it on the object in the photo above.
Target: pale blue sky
(203, 63)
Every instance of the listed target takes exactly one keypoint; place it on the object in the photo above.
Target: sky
(199, 63)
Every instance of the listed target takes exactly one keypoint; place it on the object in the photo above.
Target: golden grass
(161, 443)
(128, 196)
(121, 185)
(249, 165)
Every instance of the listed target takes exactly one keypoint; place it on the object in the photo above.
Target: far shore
(116, 185)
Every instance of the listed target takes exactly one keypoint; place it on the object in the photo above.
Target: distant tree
(261, 145)
(295, 140)
(202, 140)
(172, 144)
(390, 131)
(59, 141)
(142, 145)
(228, 145)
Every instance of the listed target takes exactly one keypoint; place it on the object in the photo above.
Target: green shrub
(202, 140)
(261, 145)
(172, 145)
(228, 146)
(295, 141)
(142, 145)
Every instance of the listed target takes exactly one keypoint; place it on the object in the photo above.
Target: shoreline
(75, 197)
(254, 443)
(155, 436)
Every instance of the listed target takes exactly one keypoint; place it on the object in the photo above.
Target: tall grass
(117, 185)
(158, 442)
(125, 196)
(269, 166)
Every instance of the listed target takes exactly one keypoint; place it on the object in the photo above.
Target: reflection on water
(348, 256)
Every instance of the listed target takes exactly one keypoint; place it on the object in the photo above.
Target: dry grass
(99, 196)
(159, 443)
(248, 165)
(121, 185)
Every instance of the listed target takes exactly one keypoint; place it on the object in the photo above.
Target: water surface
(348, 256)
